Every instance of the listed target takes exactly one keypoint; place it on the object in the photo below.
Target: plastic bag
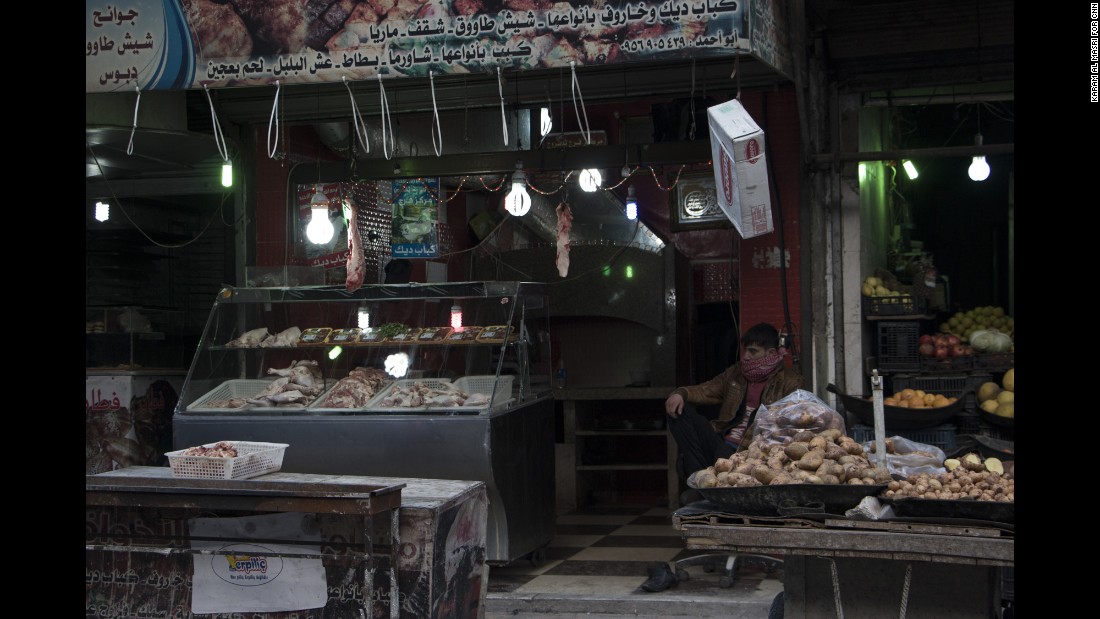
(909, 457)
(800, 410)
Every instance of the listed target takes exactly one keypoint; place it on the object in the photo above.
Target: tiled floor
(605, 551)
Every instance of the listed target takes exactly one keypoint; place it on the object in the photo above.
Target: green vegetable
(990, 341)
(391, 329)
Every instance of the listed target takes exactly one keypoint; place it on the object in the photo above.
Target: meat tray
(914, 507)
(895, 417)
(320, 404)
(253, 459)
(375, 405)
(785, 499)
(242, 388)
(500, 390)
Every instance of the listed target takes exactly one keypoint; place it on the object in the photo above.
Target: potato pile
(826, 457)
(968, 478)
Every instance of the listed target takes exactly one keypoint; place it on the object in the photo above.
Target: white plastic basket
(321, 404)
(253, 460)
(486, 384)
(375, 403)
(243, 388)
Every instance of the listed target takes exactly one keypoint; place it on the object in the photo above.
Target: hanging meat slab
(357, 268)
(565, 224)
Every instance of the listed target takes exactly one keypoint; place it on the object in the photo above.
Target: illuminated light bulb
(631, 204)
(320, 229)
(397, 364)
(102, 211)
(517, 202)
(545, 122)
(335, 352)
(227, 174)
(910, 169)
(364, 319)
(456, 318)
(629, 272)
(979, 169)
(862, 172)
(590, 179)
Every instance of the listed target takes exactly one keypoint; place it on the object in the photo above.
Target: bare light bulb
(518, 202)
(545, 122)
(227, 174)
(631, 204)
(364, 319)
(910, 169)
(102, 211)
(590, 179)
(979, 169)
(456, 318)
(320, 229)
(397, 364)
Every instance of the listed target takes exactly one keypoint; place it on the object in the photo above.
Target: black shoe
(660, 578)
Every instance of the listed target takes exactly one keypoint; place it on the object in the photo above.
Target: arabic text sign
(416, 205)
(166, 46)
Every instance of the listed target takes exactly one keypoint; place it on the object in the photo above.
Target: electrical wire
(503, 118)
(219, 137)
(773, 186)
(130, 146)
(576, 89)
(274, 119)
(386, 120)
(435, 114)
(357, 120)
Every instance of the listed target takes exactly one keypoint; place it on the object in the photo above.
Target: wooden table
(952, 567)
(139, 550)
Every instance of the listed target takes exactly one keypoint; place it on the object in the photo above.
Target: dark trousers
(697, 441)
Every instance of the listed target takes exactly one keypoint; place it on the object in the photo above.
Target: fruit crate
(997, 432)
(995, 361)
(904, 304)
(952, 386)
(940, 436)
(948, 365)
(897, 346)
(967, 423)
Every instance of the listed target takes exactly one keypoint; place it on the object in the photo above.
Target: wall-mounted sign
(172, 44)
(416, 207)
(695, 203)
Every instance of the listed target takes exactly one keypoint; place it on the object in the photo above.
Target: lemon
(988, 391)
(989, 406)
(1006, 397)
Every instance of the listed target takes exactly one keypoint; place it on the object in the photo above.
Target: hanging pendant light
(320, 229)
(979, 169)
(102, 211)
(590, 179)
(631, 204)
(518, 202)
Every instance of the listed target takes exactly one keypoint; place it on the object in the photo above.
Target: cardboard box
(740, 169)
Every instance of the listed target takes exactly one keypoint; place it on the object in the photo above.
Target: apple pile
(943, 346)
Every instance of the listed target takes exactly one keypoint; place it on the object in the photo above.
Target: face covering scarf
(756, 370)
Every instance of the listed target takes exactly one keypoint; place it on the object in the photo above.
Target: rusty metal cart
(138, 546)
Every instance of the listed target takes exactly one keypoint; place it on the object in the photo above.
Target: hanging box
(740, 170)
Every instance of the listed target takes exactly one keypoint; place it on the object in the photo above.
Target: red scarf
(757, 372)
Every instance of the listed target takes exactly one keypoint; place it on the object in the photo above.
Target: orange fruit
(929, 398)
(890, 402)
(906, 394)
(903, 404)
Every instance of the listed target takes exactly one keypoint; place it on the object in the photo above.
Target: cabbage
(990, 341)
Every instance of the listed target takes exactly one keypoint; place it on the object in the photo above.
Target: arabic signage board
(416, 204)
(171, 44)
(128, 420)
(740, 169)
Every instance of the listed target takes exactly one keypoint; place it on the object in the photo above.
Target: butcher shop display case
(426, 381)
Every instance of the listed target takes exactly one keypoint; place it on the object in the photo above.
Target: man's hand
(674, 405)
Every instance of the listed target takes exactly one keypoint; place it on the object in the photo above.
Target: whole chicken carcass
(286, 337)
(249, 338)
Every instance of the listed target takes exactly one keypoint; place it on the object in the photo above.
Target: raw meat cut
(357, 268)
(565, 224)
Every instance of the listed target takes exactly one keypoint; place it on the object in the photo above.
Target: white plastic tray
(253, 459)
(242, 388)
(319, 405)
(375, 404)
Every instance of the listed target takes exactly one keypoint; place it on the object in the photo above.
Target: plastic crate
(997, 432)
(995, 361)
(947, 365)
(905, 304)
(949, 385)
(897, 346)
(967, 423)
(940, 436)
(253, 460)
(499, 388)
(243, 388)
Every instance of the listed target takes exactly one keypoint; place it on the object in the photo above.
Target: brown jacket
(729, 389)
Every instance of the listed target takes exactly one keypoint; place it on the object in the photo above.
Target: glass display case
(461, 348)
(433, 381)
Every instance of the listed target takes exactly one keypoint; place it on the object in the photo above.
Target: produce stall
(417, 396)
(862, 535)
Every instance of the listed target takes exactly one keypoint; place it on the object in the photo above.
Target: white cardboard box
(740, 169)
